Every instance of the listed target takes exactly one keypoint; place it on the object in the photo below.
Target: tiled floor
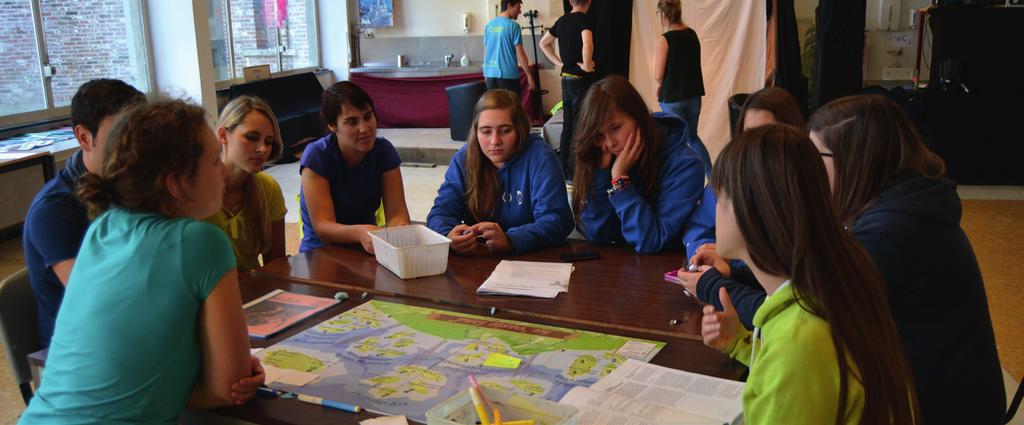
(993, 219)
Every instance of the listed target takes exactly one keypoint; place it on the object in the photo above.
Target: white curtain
(732, 42)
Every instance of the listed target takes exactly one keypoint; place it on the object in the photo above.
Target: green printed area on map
(291, 360)
(403, 360)
(523, 338)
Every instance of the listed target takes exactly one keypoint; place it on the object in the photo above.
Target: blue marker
(351, 408)
(266, 392)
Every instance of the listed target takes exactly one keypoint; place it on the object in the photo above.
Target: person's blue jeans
(689, 111)
(573, 90)
(510, 84)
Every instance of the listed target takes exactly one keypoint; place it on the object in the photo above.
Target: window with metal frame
(50, 47)
(279, 33)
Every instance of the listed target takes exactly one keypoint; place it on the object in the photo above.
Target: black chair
(462, 100)
(19, 329)
(735, 107)
(295, 100)
(1014, 403)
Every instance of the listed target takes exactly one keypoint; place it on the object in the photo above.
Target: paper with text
(685, 397)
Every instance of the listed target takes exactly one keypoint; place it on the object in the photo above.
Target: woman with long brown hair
(824, 348)
(766, 106)
(889, 190)
(889, 193)
(505, 186)
(636, 181)
(252, 214)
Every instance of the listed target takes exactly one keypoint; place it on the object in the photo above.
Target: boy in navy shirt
(56, 221)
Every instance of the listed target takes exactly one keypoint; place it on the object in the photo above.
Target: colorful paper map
(403, 360)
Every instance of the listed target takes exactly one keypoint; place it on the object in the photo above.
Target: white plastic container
(411, 251)
(459, 410)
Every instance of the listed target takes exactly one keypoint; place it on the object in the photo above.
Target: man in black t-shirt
(575, 36)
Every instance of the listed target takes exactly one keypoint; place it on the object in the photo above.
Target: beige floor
(993, 219)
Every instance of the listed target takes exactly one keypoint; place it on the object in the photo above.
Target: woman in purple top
(348, 174)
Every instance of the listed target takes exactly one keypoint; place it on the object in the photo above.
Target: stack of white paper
(527, 278)
(637, 393)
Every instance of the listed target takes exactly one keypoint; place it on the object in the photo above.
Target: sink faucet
(448, 59)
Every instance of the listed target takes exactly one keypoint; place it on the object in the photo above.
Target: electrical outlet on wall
(889, 14)
(896, 73)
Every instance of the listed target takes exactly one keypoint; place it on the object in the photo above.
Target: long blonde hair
(254, 201)
(482, 184)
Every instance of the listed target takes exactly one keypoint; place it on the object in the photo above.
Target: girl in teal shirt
(824, 348)
(152, 319)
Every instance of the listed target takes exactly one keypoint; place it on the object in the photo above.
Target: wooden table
(11, 161)
(620, 291)
(680, 352)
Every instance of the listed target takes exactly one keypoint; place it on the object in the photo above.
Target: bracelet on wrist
(619, 184)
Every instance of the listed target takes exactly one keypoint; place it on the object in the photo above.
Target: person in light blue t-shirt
(504, 185)
(503, 50)
(152, 318)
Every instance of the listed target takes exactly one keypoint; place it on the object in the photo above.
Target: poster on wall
(376, 13)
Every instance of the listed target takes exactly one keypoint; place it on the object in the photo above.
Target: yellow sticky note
(503, 361)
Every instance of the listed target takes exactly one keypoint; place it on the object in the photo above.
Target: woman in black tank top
(678, 74)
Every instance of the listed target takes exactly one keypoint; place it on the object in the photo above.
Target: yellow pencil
(480, 411)
(519, 422)
(497, 417)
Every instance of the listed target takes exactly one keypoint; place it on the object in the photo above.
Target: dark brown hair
(150, 144)
(780, 195)
(505, 4)
(776, 100)
(339, 94)
(482, 184)
(872, 140)
(614, 92)
(671, 10)
(99, 98)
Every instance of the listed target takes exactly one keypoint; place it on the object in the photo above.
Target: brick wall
(20, 87)
(88, 39)
(85, 39)
(247, 29)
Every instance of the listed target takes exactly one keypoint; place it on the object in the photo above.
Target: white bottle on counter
(464, 61)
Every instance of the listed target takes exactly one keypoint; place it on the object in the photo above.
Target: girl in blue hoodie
(504, 191)
(636, 180)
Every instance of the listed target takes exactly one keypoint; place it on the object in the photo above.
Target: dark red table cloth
(420, 102)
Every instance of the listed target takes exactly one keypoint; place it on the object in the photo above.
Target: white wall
(182, 56)
(335, 53)
(421, 18)
(732, 39)
(881, 53)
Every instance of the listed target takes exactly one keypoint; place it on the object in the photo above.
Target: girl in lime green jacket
(825, 296)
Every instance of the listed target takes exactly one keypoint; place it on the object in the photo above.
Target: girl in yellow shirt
(253, 211)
